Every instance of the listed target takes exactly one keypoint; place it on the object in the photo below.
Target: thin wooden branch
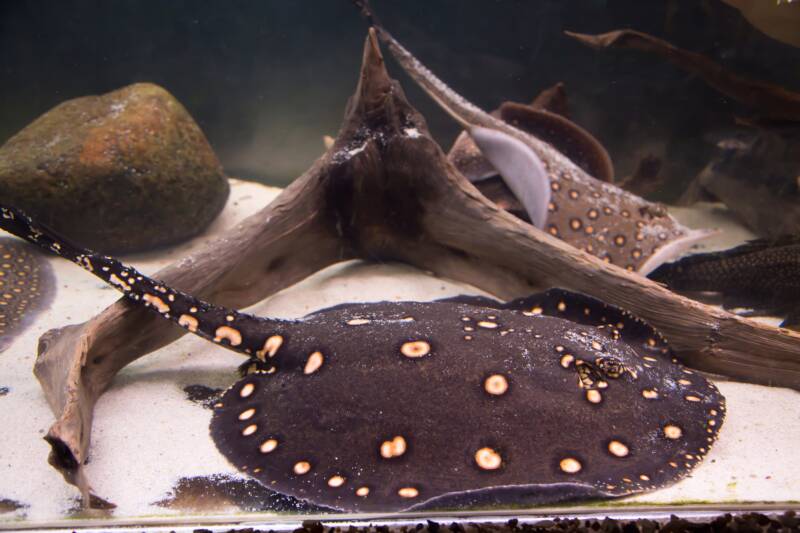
(772, 100)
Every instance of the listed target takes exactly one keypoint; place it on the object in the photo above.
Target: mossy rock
(123, 172)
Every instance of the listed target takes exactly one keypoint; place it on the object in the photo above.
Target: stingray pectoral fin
(469, 160)
(472, 299)
(520, 167)
(584, 309)
(533, 494)
(674, 249)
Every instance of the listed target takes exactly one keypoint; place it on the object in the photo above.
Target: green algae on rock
(122, 172)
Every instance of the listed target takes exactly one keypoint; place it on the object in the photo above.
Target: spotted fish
(763, 275)
(466, 401)
(26, 284)
(559, 197)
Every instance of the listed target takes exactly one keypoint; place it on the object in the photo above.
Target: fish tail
(254, 336)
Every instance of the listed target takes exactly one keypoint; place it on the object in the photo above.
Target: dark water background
(267, 79)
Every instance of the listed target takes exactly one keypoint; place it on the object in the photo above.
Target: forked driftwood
(772, 100)
(385, 191)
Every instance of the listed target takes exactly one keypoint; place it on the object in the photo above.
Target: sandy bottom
(147, 436)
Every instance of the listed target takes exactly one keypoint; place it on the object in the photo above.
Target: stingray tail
(237, 331)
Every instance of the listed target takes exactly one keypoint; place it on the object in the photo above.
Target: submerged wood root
(385, 191)
(772, 100)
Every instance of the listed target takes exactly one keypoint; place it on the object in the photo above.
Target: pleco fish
(559, 197)
(763, 275)
(466, 401)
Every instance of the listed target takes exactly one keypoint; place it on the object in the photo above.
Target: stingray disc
(469, 402)
(26, 281)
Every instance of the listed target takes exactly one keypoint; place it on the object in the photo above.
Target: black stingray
(466, 401)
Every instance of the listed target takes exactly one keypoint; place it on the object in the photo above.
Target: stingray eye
(610, 366)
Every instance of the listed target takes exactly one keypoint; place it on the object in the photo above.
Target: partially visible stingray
(580, 146)
(217, 492)
(26, 287)
(467, 401)
(575, 142)
(559, 196)
(763, 275)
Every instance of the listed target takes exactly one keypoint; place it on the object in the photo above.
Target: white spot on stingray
(226, 332)
(302, 468)
(114, 280)
(672, 431)
(496, 384)
(618, 449)
(570, 465)
(408, 492)
(156, 302)
(488, 459)
(268, 446)
(336, 481)
(189, 322)
(594, 396)
(271, 347)
(247, 390)
(314, 363)
(415, 349)
(393, 448)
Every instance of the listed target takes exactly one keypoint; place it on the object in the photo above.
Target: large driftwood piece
(385, 191)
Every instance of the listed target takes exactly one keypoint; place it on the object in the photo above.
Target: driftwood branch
(385, 191)
(772, 100)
